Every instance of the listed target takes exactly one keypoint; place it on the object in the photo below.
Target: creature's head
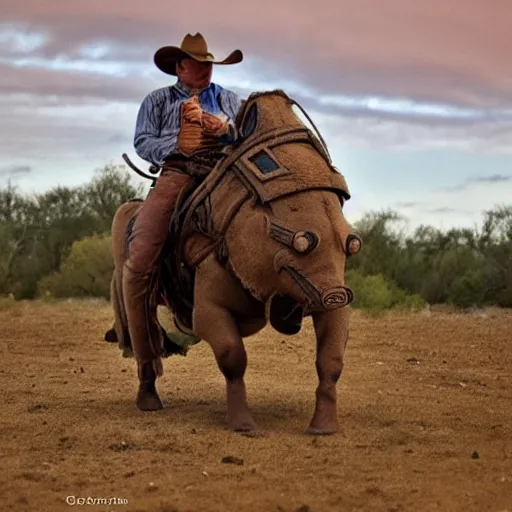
(314, 241)
(293, 252)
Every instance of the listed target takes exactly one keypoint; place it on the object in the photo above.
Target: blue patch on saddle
(264, 162)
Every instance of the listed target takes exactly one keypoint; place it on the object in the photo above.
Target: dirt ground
(425, 406)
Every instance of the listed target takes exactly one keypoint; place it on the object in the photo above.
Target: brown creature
(262, 238)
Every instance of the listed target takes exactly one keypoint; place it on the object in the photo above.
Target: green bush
(86, 272)
(375, 293)
(467, 290)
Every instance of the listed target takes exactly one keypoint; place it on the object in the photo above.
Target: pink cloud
(451, 50)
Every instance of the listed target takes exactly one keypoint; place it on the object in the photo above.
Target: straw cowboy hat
(192, 47)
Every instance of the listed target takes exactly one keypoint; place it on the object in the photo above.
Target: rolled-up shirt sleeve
(149, 144)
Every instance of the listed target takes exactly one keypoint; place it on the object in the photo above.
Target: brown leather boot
(147, 396)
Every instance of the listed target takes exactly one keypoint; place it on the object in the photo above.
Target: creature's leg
(149, 235)
(331, 329)
(216, 325)
(119, 331)
(111, 335)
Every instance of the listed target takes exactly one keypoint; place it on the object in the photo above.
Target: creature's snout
(306, 291)
(338, 297)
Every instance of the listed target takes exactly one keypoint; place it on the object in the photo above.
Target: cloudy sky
(414, 99)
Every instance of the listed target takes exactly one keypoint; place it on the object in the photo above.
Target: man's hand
(192, 111)
(213, 125)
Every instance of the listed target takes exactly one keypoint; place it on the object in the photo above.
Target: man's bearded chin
(201, 82)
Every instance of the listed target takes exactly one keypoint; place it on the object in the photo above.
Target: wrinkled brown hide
(283, 237)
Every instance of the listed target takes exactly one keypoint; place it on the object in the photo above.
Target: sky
(414, 99)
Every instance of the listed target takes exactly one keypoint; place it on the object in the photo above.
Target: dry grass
(420, 393)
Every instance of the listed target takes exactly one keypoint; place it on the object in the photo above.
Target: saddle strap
(233, 153)
(241, 150)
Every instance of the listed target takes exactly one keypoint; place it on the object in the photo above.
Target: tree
(110, 187)
(37, 231)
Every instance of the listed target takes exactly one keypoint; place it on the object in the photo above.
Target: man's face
(193, 74)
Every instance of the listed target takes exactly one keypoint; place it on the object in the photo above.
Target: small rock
(122, 446)
(475, 455)
(232, 460)
(129, 474)
(304, 508)
(82, 370)
(373, 490)
(37, 407)
(152, 486)
(413, 360)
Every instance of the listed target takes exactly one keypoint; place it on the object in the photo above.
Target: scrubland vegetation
(56, 244)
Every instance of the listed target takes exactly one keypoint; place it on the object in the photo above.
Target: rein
(296, 103)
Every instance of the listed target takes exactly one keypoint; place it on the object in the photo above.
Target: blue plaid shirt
(158, 121)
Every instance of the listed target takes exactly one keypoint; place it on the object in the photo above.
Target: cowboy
(173, 124)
